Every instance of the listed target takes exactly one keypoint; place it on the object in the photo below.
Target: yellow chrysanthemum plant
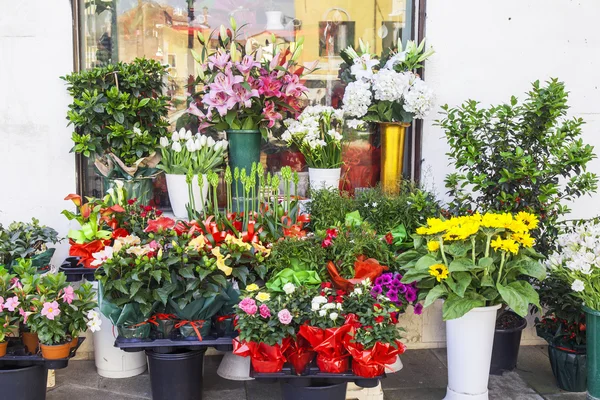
(475, 261)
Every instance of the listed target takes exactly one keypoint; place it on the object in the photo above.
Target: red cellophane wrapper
(298, 352)
(332, 356)
(371, 363)
(264, 358)
(363, 268)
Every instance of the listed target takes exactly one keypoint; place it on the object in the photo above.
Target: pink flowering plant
(241, 89)
(263, 317)
(7, 318)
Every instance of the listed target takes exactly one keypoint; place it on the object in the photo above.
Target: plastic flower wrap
(183, 152)
(475, 261)
(386, 91)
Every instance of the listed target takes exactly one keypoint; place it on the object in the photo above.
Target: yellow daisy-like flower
(433, 246)
(524, 238)
(422, 230)
(497, 243)
(510, 245)
(530, 220)
(518, 226)
(262, 296)
(253, 287)
(221, 261)
(438, 271)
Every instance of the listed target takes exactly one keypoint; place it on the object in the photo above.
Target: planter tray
(17, 356)
(132, 345)
(76, 272)
(314, 373)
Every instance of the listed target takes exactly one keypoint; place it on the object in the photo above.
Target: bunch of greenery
(328, 207)
(519, 157)
(118, 109)
(298, 254)
(27, 240)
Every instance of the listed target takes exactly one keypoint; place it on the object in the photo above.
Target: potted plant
(7, 317)
(187, 157)
(563, 327)
(119, 113)
(244, 94)
(388, 92)
(576, 263)
(22, 240)
(475, 264)
(317, 134)
(526, 175)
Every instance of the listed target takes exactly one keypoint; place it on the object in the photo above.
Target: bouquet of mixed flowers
(475, 261)
(239, 89)
(318, 135)
(386, 90)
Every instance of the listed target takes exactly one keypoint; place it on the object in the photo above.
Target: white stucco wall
(490, 50)
(36, 169)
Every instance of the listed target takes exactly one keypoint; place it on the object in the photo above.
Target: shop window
(165, 30)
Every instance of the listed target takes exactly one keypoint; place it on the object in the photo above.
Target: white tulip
(210, 142)
(188, 135)
(224, 144)
(197, 143)
(176, 146)
(175, 136)
(202, 140)
(182, 133)
(164, 142)
(190, 145)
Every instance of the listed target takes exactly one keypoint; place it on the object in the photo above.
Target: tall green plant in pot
(243, 93)
(118, 114)
(186, 160)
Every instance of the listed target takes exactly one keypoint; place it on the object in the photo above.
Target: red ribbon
(195, 324)
(222, 318)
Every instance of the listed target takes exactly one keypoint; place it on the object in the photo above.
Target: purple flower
(379, 280)
(219, 60)
(411, 294)
(387, 278)
(219, 100)
(392, 295)
(376, 290)
(418, 308)
(398, 275)
(395, 283)
(224, 82)
(402, 288)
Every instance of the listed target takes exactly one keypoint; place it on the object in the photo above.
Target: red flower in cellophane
(332, 356)
(265, 358)
(85, 251)
(371, 363)
(298, 352)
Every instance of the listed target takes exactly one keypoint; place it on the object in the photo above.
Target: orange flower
(75, 198)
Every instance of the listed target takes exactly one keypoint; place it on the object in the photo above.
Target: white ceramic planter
(179, 195)
(321, 178)
(470, 340)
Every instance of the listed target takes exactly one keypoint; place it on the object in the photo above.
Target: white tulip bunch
(184, 152)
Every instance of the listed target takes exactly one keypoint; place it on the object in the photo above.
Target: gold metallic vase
(392, 155)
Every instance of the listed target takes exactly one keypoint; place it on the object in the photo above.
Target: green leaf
(143, 102)
(353, 219)
(459, 282)
(187, 272)
(425, 262)
(407, 257)
(458, 249)
(434, 294)
(456, 307)
(156, 275)
(532, 268)
(414, 275)
(518, 295)
(220, 280)
(487, 281)
(135, 287)
(485, 262)
(461, 264)
(119, 117)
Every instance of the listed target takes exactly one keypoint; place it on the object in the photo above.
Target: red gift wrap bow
(332, 356)
(160, 317)
(298, 352)
(264, 358)
(197, 325)
(221, 318)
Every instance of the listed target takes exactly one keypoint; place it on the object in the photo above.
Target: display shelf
(76, 272)
(17, 355)
(164, 345)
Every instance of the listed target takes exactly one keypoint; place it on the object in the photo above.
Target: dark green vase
(244, 149)
(592, 318)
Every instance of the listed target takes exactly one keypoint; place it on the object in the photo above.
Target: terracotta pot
(56, 352)
(3, 347)
(31, 341)
(74, 341)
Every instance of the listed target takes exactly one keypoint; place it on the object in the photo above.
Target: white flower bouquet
(578, 262)
(317, 134)
(184, 152)
(386, 90)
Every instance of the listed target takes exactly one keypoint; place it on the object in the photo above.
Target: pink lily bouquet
(241, 88)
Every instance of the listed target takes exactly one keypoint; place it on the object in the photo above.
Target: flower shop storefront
(252, 179)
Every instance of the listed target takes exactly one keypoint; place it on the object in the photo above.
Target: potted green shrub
(118, 114)
(519, 156)
(27, 240)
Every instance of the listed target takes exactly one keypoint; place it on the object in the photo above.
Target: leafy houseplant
(27, 240)
(186, 159)
(119, 113)
(519, 157)
(317, 133)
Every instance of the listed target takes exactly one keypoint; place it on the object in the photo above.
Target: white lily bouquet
(318, 135)
(186, 159)
(386, 89)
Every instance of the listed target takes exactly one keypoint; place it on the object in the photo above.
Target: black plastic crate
(76, 272)
(166, 345)
(17, 355)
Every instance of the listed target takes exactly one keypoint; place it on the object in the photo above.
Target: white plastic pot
(324, 178)
(234, 368)
(179, 194)
(470, 339)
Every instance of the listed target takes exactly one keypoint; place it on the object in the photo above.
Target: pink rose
(284, 316)
(264, 311)
(248, 305)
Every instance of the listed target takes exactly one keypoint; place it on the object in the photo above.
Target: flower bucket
(470, 339)
(592, 318)
(392, 155)
(176, 375)
(56, 352)
(137, 188)
(244, 149)
(178, 189)
(506, 346)
(316, 391)
(24, 383)
(324, 178)
(569, 369)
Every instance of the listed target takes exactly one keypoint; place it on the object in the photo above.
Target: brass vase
(392, 155)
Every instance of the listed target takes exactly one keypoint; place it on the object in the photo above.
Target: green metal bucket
(244, 149)
(593, 353)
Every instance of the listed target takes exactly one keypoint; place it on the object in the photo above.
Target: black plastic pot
(176, 375)
(316, 391)
(569, 369)
(23, 383)
(506, 348)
